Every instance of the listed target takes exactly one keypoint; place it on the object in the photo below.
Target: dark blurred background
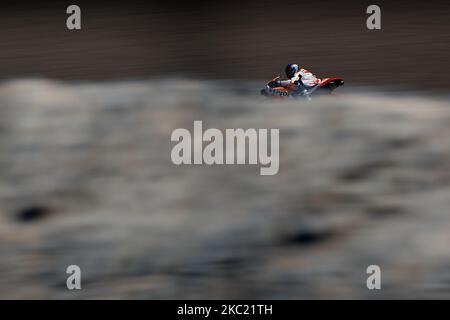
(228, 39)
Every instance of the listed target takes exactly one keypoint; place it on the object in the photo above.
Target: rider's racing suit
(301, 77)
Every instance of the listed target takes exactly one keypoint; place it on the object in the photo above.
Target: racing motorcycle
(325, 86)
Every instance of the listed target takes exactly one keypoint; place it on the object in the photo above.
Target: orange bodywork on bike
(326, 85)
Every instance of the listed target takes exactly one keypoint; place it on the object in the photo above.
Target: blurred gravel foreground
(86, 179)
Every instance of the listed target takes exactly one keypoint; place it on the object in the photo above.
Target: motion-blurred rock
(364, 179)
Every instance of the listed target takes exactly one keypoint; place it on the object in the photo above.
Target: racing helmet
(291, 69)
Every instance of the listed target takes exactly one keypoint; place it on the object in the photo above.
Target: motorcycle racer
(300, 83)
(298, 77)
